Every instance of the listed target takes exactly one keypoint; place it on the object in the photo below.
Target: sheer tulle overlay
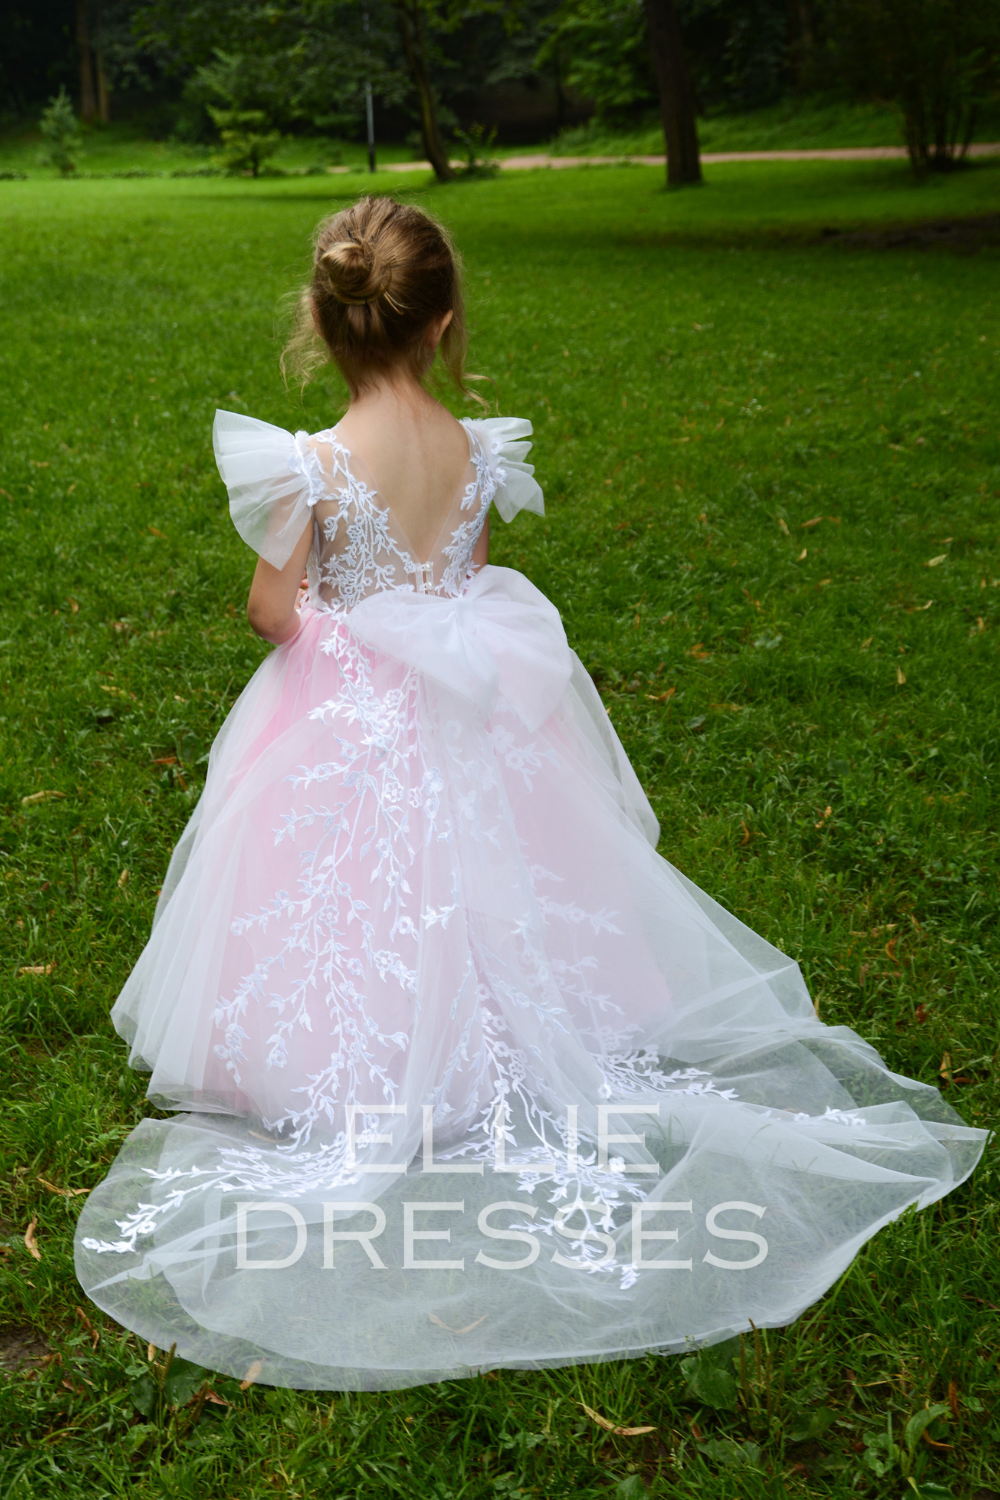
(466, 1074)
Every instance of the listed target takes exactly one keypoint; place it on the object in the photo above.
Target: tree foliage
(740, 52)
(604, 56)
(298, 61)
(306, 63)
(936, 59)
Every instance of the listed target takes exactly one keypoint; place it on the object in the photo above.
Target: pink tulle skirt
(466, 1075)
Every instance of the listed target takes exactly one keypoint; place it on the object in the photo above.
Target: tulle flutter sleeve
(271, 492)
(504, 439)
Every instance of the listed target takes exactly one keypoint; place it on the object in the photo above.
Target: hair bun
(355, 271)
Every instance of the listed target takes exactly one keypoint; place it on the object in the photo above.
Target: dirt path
(709, 158)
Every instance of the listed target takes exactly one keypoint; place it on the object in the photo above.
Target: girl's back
(417, 454)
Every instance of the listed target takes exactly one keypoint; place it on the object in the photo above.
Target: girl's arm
(481, 551)
(274, 591)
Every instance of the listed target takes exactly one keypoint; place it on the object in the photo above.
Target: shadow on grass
(962, 235)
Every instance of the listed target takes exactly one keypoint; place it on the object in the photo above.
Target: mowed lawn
(772, 474)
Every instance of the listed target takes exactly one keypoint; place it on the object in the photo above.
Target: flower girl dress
(465, 1074)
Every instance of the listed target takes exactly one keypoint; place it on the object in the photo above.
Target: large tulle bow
(500, 638)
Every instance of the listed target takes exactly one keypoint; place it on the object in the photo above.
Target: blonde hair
(382, 273)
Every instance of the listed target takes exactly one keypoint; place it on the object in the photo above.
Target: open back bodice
(359, 544)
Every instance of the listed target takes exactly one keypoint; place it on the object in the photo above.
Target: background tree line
(304, 65)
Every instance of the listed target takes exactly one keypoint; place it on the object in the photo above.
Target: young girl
(465, 1074)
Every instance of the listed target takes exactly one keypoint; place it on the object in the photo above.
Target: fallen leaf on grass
(36, 969)
(50, 1187)
(160, 534)
(123, 880)
(215, 1399)
(661, 697)
(610, 1426)
(699, 652)
(42, 797)
(30, 1243)
(95, 1336)
(73, 604)
(251, 1375)
(867, 643)
(814, 522)
(782, 522)
(934, 561)
(900, 677)
(746, 833)
(117, 692)
(803, 555)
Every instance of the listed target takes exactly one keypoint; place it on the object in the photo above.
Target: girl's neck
(396, 397)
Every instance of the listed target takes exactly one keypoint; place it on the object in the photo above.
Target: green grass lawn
(772, 473)
(791, 124)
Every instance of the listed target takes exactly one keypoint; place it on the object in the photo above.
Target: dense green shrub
(61, 132)
(247, 143)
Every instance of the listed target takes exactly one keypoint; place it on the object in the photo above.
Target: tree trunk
(557, 75)
(88, 104)
(802, 38)
(411, 33)
(677, 101)
(103, 92)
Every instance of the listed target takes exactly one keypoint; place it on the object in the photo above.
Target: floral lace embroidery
(355, 552)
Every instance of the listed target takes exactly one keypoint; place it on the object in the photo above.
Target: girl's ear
(435, 332)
